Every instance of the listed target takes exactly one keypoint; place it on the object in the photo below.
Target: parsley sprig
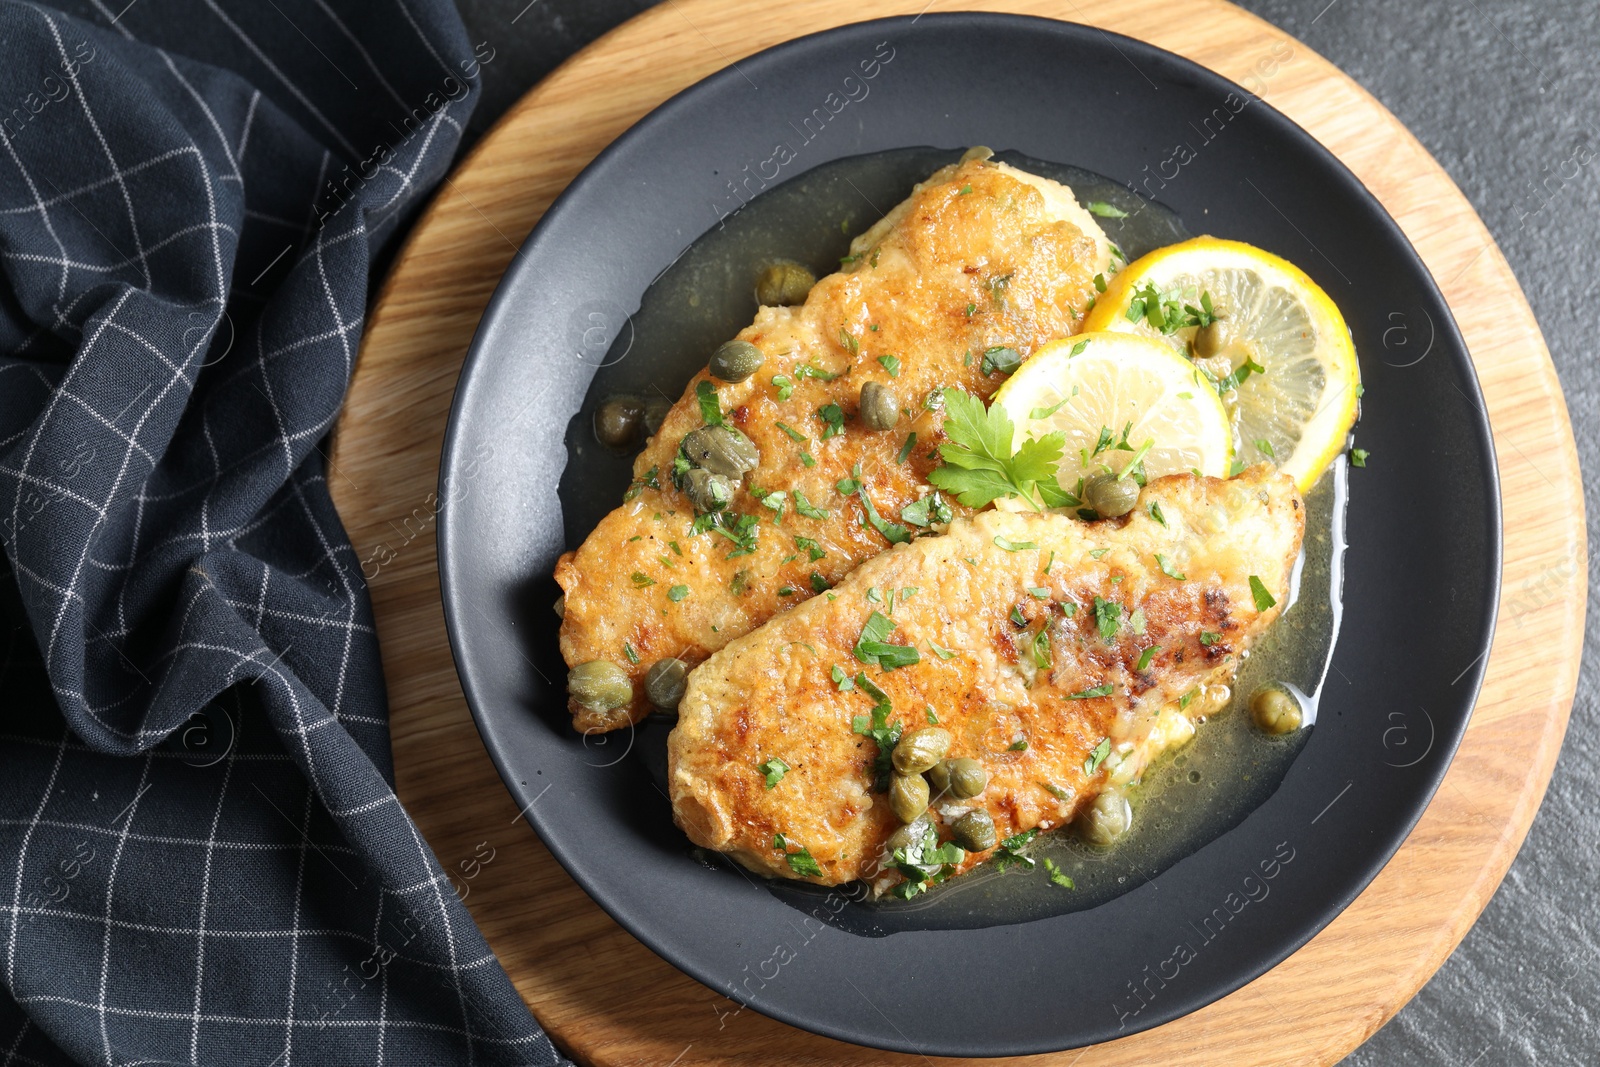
(980, 464)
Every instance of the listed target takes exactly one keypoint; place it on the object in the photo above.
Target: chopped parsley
(627, 650)
(924, 864)
(1183, 701)
(794, 435)
(841, 679)
(801, 862)
(806, 507)
(1089, 694)
(677, 593)
(1019, 745)
(1098, 756)
(1105, 210)
(872, 646)
(642, 580)
(1258, 590)
(1155, 512)
(1014, 849)
(847, 341)
(877, 727)
(1013, 546)
(890, 364)
(1038, 592)
(1169, 569)
(1056, 877)
(1358, 457)
(812, 548)
(893, 531)
(1000, 359)
(905, 449)
(1107, 617)
(848, 486)
(1041, 650)
(811, 370)
(783, 385)
(1264, 446)
(933, 720)
(1146, 656)
(930, 509)
(774, 769)
(710, 407)
(1209, 638)
(808, 459)
(942, 653)
(819, 584)
(833, 416)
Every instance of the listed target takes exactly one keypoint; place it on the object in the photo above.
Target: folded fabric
(202, 858)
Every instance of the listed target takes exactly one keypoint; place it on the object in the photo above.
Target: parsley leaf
(774, 769)
(1056, 877)
(1098, 756)
(1169, 569)
(793, 434)
(1358, 457)
(890, 364)
(1105, 210)
(1089, 694)
(677, 593)
(1258, 590)
(871, 646)
(1000, 359)
(800, 862)
(784, 385)
(642, 580)
(927, 511)
(893, 531)
(1014, 850)
(980, 465)
(1155, 512)
(1209, 637)
(877, 727)
(710, 407)
(833, 415)
(1013, 546)
(1146, 656)
(1108, 617)
(807, 508)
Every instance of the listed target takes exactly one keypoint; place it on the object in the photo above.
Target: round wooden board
(602, 995)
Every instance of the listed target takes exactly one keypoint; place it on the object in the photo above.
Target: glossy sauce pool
(1189, 797)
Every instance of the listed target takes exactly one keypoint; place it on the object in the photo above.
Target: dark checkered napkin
(202, 859)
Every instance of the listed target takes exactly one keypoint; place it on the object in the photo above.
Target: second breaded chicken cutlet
(1054, 656)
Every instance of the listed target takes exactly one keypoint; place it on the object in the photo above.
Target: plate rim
(1285, 127)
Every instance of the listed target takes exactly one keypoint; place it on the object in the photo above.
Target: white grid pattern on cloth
(255, 561)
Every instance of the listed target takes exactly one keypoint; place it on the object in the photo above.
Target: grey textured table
(1505, 94)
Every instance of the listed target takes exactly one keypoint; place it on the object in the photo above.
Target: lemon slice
(1110, 393)
(1298, 408)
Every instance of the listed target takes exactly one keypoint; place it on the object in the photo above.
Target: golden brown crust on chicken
(772, 693)
(980, 255)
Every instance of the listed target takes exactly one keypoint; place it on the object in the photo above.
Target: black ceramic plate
(520, 485)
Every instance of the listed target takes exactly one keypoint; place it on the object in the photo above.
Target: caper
(921, 749)
(879, 409)
(655, 413)
(735, 361)
(938, 777)
(784, 284)
(599, 685)
(974, 831)
(967, 778)
(1210, 339)
(908, 796)
(1107, 819)
(977, 151)
(1274, 710)
(1111, 496)
(706, 491)
(664, 681)
(721, 450)
(617, 422)
(560, 606)
(912, 833)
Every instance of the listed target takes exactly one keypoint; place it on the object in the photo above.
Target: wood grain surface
(602, 995)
